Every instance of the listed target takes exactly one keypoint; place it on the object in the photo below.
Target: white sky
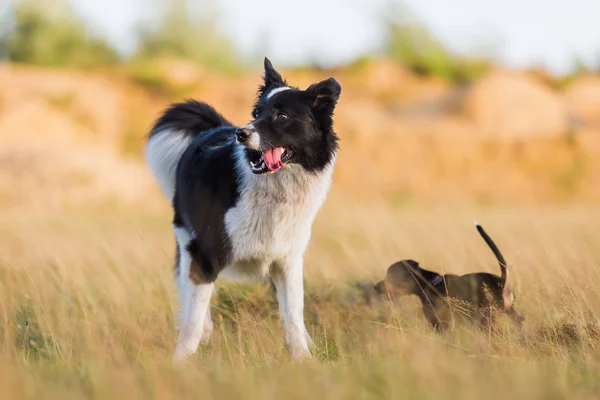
(517, 32)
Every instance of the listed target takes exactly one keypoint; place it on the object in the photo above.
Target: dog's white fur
(163, 152)
(253, 141)
(277, 90)
(274, 214)
(269, 229)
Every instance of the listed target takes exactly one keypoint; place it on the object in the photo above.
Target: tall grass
(87, 309)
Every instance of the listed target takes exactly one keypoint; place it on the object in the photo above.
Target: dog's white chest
(273, 216)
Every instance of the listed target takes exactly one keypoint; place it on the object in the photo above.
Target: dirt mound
(383, 74)
(510, 104)
(49, 177)
(94, 105)
(61, 135)
(582, 99)
(74, 136)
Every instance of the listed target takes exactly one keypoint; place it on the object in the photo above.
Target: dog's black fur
(207, 177)
(444, 297)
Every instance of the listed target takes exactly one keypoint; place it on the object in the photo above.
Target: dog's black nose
(242, 135)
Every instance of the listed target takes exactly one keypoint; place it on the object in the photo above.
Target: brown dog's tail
(507, 294)
(499, 256)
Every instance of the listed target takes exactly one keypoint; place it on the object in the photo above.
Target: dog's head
(402, 278)
(291, 126)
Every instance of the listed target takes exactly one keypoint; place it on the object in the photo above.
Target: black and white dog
(245, 198)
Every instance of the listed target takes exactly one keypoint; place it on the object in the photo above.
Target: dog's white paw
(300, 355)
(206, 332)
(308, 338)
(181, 355)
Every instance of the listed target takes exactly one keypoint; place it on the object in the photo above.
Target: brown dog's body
(445, 297)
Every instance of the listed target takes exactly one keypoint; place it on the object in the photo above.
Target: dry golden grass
(87, 308)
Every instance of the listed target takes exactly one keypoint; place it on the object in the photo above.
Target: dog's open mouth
(270, 160)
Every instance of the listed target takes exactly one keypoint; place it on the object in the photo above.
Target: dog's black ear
(412, 264)
(325, 94)
(271, 75)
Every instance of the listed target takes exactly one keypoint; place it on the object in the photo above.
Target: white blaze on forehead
(275, 91)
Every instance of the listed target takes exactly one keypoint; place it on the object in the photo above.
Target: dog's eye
(282, 116)
(257, 112)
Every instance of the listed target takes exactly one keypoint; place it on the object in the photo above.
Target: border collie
(244, 198)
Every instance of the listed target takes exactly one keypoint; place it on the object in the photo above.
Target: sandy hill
(72, 136)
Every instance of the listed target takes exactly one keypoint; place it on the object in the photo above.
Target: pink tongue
(272, 158)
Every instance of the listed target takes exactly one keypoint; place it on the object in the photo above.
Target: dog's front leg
(288, 282)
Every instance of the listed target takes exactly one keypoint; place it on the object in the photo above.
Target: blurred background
(450, 111)
(443, 103)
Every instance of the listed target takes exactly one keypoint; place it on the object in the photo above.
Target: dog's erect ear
(271, 75)
(411, 264)
(325, 94)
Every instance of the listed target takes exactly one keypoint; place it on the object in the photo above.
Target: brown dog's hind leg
(517, 318)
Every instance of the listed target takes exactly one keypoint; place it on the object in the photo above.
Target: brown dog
(444, 297)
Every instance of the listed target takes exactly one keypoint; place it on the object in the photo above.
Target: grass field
(87, 305)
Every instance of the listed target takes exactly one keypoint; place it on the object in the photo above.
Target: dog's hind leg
(195, 302)
(290, 296)
(208, 327)
(517, 318)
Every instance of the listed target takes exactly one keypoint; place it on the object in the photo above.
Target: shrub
(410, 42)
(52, 35)
(181, 35)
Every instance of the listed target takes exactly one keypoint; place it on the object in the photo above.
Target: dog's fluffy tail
(496, 251)
(172, 134)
